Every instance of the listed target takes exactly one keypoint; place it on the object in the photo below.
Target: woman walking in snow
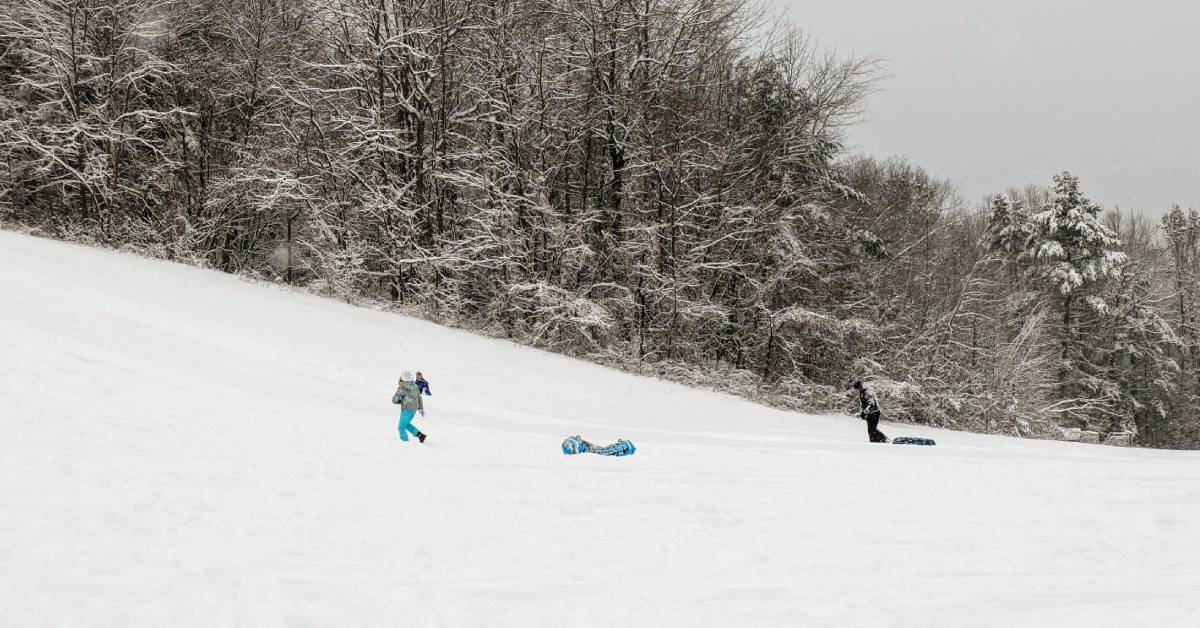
(408, 397)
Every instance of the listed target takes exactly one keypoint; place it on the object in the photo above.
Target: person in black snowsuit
(869, 412)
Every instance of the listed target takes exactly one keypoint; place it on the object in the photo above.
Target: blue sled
(576, 445)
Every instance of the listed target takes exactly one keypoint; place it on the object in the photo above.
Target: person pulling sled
(408, 397)
(869, 412)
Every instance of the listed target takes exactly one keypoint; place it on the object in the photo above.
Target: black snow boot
(421, 436)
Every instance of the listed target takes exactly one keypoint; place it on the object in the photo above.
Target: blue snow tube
(576, 445)
(912, 440)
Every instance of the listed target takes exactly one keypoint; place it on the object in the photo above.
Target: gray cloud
(1002, 93)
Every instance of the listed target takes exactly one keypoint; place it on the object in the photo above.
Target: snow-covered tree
(87, 137)
(1182, 231)
(1071, 249)
(1010, 228)
(1072, 253)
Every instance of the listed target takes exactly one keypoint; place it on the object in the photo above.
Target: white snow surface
(179, 447)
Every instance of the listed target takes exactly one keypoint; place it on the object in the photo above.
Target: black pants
(873, 429)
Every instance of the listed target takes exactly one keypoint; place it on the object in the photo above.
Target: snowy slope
(181, 448)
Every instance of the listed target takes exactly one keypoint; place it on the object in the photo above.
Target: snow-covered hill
(181, 448)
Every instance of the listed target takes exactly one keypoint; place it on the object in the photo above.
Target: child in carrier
(423, 384)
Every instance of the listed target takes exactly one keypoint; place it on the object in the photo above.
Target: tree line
(659, 185)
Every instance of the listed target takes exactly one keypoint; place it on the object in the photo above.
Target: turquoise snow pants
(406, 426)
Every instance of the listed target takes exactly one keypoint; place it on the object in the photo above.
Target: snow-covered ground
(181, 448)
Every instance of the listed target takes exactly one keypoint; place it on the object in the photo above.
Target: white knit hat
(406, 376)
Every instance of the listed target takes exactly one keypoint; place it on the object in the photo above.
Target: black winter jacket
(868, 404)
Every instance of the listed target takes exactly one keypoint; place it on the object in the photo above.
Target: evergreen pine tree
(1072, 253)
(1009, 228)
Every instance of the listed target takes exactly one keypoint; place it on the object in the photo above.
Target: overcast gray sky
(999, 93)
